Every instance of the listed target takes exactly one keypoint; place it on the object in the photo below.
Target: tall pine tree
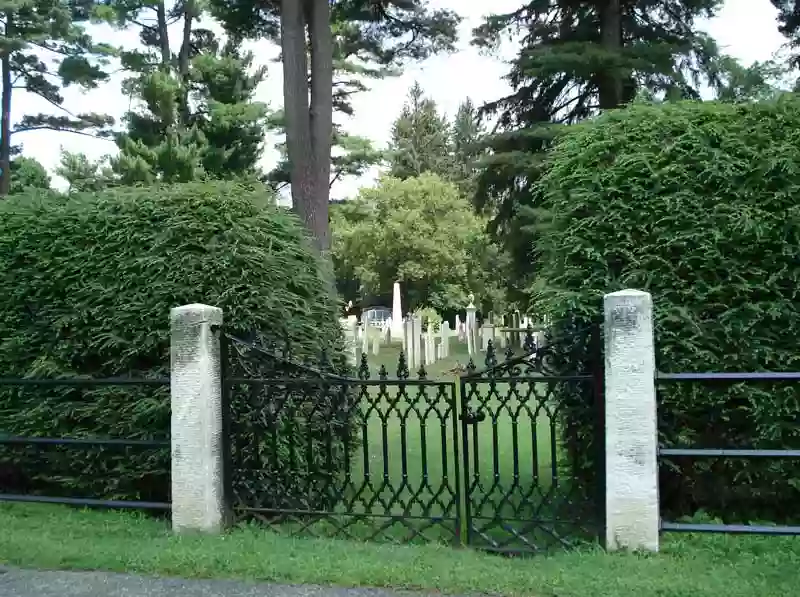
(420, 139)
(468, 134)
(196, 115)
(44, 47)
(327, 45)
(575, 59)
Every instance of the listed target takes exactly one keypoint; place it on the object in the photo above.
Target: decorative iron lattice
(314, 452)
(401, 459)
(524, 489)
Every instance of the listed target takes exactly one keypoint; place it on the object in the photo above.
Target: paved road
(31, 583)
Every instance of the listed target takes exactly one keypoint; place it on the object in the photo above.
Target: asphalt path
(34, 583)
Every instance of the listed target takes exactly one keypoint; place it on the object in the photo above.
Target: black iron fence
(60, 470)
(485, 458)
(481, 460)
(745, 490)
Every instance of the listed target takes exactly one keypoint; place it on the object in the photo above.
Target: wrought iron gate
(527, 484)
(403, 458)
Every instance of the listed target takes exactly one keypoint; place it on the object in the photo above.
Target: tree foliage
(357, 39)
(420, 139)
(195, 115)
(351, 155)
(576, 58)
(423, 140)
(421, 232)
(117, 262)
(26, 174)
(696, 204)
(44, 47)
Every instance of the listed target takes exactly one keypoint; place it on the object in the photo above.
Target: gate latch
(471, 416)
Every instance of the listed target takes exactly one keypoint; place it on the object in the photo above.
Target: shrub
(87, 283)
(429, 317)
(697, 204)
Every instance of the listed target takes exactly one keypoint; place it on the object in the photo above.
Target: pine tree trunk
(296, 110)
(321, 118)
(5, 125)
(189, 9)
(610, 83)
(163, 35)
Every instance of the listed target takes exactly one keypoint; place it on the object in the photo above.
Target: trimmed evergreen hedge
(87, 283)
(697, 203)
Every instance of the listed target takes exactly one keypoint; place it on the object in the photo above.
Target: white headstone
(397, 313)
(416, 340)
(376, 343)
(430, 345)
(365, 330)
(408, 341)
(444, 331)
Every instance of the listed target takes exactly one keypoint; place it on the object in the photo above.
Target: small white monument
(397, 313)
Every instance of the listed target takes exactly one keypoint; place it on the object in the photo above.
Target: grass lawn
(56, 537)
(407, 477)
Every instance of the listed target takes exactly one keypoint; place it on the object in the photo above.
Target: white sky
(746, 29)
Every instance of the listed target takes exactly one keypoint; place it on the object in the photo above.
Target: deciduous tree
(420, 231)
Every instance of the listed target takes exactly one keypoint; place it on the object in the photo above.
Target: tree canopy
(421, 232)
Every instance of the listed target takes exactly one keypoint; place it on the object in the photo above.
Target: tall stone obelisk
(397, 313)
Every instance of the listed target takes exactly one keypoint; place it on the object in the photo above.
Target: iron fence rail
(730, 377)
(733, 453)
(84, 442)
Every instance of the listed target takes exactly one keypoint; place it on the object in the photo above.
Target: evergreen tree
(83, 174)
(421, 139)
(789, 25)
(27, 173)
(45, 47)
(196, 117)
(575, 59)
(351, 155)
(218, 135)
(467, 138)
(356, 39)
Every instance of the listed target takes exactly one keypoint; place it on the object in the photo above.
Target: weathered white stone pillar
(198, 496)
(632, 513)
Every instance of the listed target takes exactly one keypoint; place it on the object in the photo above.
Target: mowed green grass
(410, 467)
(58, 537)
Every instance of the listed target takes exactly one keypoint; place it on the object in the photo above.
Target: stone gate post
(632, 509)
(198, 497)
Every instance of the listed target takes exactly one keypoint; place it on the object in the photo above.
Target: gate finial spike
(402, 366)
(363, 369)
(491, 358)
